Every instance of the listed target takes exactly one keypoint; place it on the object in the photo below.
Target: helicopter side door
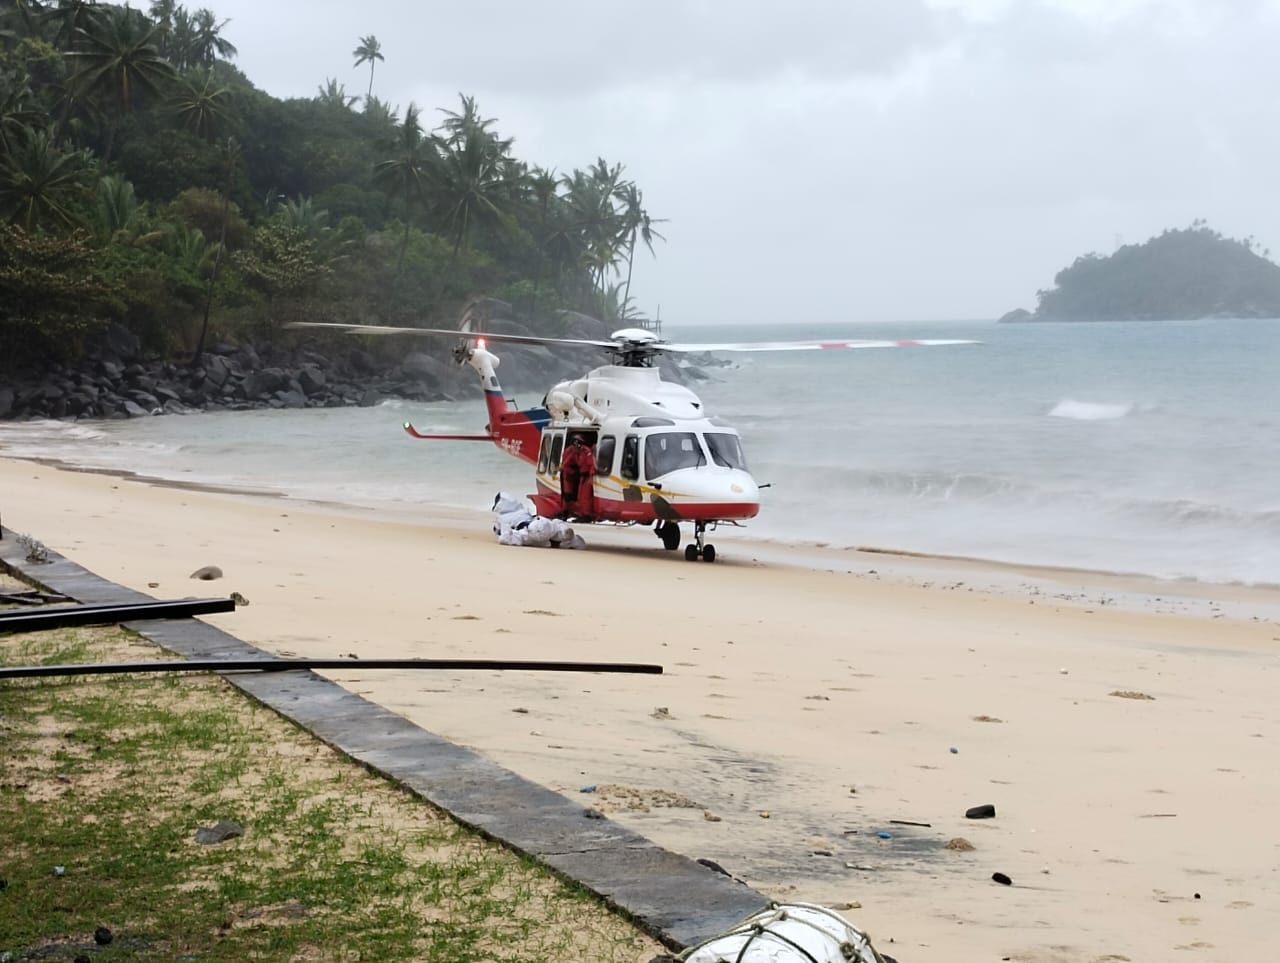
(550, 452)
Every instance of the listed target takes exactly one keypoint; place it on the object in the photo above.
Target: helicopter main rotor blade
(807, 345)
(624, 343)
(448, 333)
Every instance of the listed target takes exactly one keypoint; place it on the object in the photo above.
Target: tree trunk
(631, 253)
(217, 259)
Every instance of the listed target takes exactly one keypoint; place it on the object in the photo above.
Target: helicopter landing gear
(697, 549)
(669, 532)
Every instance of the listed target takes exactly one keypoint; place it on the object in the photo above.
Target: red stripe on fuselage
(614, 509)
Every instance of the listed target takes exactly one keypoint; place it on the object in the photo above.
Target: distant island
(1180, 275)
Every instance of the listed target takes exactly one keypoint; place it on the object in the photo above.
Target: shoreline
(802, 709)
(798, 552)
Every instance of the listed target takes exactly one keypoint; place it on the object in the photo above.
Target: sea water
(1151, 448)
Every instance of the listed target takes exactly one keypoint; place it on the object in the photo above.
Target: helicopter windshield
(671, 450)
(725, 450)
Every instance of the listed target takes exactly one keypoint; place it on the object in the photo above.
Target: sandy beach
(1125, 731)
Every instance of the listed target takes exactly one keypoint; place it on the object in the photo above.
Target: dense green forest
(1180, 275)
(145, 181)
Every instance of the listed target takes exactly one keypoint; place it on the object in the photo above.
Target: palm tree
(40, 184)
(120, 60)
(542, 185)
(589, 198)
(178, 39)
(334, 94)
(73, 17)
(636, 222)
(18, 20)
(121, 217)
(474, 178)
(368, 52)
(232, 149)
(187, 246)
(381, 112)
(203, 105)
(408, 174)
(29, 11)
(209, 44)
(163, 13)
(304, 216)
(18, 110)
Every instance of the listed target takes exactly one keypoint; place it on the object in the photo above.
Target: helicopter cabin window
(671, 450)
(544, 454)
(725, 449)
(557, 448)
(604, 454)
(630, 467)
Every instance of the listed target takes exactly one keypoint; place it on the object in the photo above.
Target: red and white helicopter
(660, 460)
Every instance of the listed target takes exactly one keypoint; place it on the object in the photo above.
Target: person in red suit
(577, 472)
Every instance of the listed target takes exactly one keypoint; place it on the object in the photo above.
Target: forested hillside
(144, 180)
(1182, 274)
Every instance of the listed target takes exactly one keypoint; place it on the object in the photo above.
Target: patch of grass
(109, 777)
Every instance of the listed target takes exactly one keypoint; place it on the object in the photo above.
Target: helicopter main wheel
(669, 532)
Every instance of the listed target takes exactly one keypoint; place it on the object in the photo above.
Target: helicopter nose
(721, 494)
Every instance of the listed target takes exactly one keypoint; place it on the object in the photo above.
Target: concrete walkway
(677, 900)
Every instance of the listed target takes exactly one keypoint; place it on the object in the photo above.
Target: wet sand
(1125, 731)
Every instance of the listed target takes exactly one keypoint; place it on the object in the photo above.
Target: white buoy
(788, 933)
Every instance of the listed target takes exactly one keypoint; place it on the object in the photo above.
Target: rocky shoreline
(117, 381)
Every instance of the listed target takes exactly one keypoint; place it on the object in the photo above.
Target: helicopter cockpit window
(630, 467)
(671, 450)
(544, 455)
(604, 454)
(557, 447)
(725, 449)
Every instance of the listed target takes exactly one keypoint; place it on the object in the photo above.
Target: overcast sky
(842, 160)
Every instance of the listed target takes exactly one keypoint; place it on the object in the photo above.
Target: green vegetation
(104, 781)
(1186, 274)
(144, 180)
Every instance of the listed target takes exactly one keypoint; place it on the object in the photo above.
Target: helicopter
(659, 459)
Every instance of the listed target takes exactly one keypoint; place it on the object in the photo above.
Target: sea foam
(1089, 410)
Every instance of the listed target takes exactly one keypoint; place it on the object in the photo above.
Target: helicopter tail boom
(516, 432)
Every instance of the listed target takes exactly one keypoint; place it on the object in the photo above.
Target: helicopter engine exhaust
(560, 403)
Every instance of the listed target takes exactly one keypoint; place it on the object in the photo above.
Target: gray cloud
(841, 161)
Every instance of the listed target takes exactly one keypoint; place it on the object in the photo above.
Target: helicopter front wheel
(698, 549)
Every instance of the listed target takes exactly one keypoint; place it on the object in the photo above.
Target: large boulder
(311, 379)
(420, 366)
(217, 369)
(259, 385)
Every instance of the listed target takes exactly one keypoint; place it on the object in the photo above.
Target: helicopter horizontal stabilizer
(415, 433)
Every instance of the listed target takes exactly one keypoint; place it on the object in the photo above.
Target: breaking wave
(1089, 410)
